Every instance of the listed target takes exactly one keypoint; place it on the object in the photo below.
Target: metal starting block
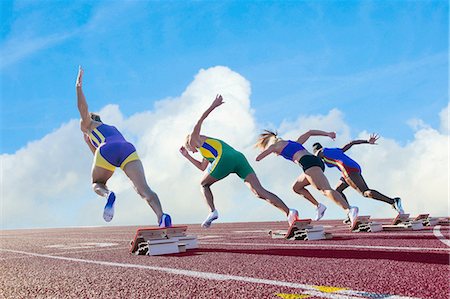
(444, 221)
(159, 241)
(403, 222)
(302, 230)
(364, 224)
(427, 220)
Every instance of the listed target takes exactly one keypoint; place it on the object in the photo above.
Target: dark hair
(316, 147)
(95, 117)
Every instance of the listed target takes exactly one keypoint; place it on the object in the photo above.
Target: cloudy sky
(151, 68)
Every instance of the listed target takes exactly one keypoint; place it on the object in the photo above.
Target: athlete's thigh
(317, 178)
(100, 175)
(301, 182)
(357, 181)
(208, 180)
(135, 172)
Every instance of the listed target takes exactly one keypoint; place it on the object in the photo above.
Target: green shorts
(230, 162)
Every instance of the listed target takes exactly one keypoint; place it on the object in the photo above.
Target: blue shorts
(115, 154)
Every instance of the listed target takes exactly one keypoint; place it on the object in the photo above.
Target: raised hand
(332, 135)
(184, 151)
(373, 138)
(217, 101)
(79, 82)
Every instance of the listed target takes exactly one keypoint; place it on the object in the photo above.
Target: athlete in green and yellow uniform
(222, 160)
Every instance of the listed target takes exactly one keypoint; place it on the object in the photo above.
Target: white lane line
(329, 245)
(309, 289)
(437, 233)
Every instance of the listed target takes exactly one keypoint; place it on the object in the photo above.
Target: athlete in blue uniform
(351, 171)
(111, 150)
(312, 166)
(223, 160)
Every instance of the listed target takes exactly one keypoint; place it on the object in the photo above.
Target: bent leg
(99, 178)
(253, 183)
(317, 178)
(135, 172)
(299, 188)
(340, 187)
(206, 183)
(360, 184)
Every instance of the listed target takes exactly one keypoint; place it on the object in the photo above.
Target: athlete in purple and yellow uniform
(312, 166)
(111, 150)
(351, 171)
(223, 160)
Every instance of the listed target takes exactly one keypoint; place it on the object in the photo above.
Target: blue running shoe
(108, 212)
(398, 205)
(165, 221)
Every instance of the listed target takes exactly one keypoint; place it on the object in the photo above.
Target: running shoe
(398, 205)
(211, 217)
(292, 216)
(165, 221)
(108, 212)
(347, 220)
(320, 211)
(352, 214)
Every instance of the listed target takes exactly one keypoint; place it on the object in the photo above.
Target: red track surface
(236, 260)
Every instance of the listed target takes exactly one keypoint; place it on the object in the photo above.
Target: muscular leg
(253, 183)
(99, 178)
(206, 183)
(299, 188)
(317, 179)
(340, 187)
(357, 181)
(135, 171)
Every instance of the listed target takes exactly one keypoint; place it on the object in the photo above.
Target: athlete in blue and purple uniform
(351, 171)
(111, 150)
(312, 167)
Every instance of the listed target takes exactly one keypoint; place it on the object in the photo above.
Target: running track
(234, 260)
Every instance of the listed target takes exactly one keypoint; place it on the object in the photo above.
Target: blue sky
(382, 63)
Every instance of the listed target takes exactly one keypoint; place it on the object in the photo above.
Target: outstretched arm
(266, 152)
(373, 138)
(81, 101)
(200, 165)
(195, 135)
(303, 138)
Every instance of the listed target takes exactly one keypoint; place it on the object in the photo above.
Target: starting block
(403, 222)
(159, 241)
(444, 221)
(427, 220)
(302, 230)
(364, 224)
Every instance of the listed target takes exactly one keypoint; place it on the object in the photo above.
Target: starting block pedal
(403, 222)
(302, 230)
(159, 241)
(444, 221)
(364, 224)
(427, 220)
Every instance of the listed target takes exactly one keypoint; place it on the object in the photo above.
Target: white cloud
(47, 183)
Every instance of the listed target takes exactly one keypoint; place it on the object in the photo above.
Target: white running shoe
(108, 212)
(352, 214)
(320, 211)
(398, 205)
(211, 217)
(292, 216)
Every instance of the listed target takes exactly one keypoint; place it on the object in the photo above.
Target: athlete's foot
(353, 214)
(292, 216)
(320, 211)
(397, 205)
(108, 212)
(347, 220)
(211, 217)
(165, 221)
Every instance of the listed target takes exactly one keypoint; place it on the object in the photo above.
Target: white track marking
(329, 245)
(81, 245)
(309, 289)
(440, 236)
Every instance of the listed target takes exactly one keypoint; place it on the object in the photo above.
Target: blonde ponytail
(266, 138)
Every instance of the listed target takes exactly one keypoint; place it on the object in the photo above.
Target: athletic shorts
(115, 154)
(308, 161)
(230, 162)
